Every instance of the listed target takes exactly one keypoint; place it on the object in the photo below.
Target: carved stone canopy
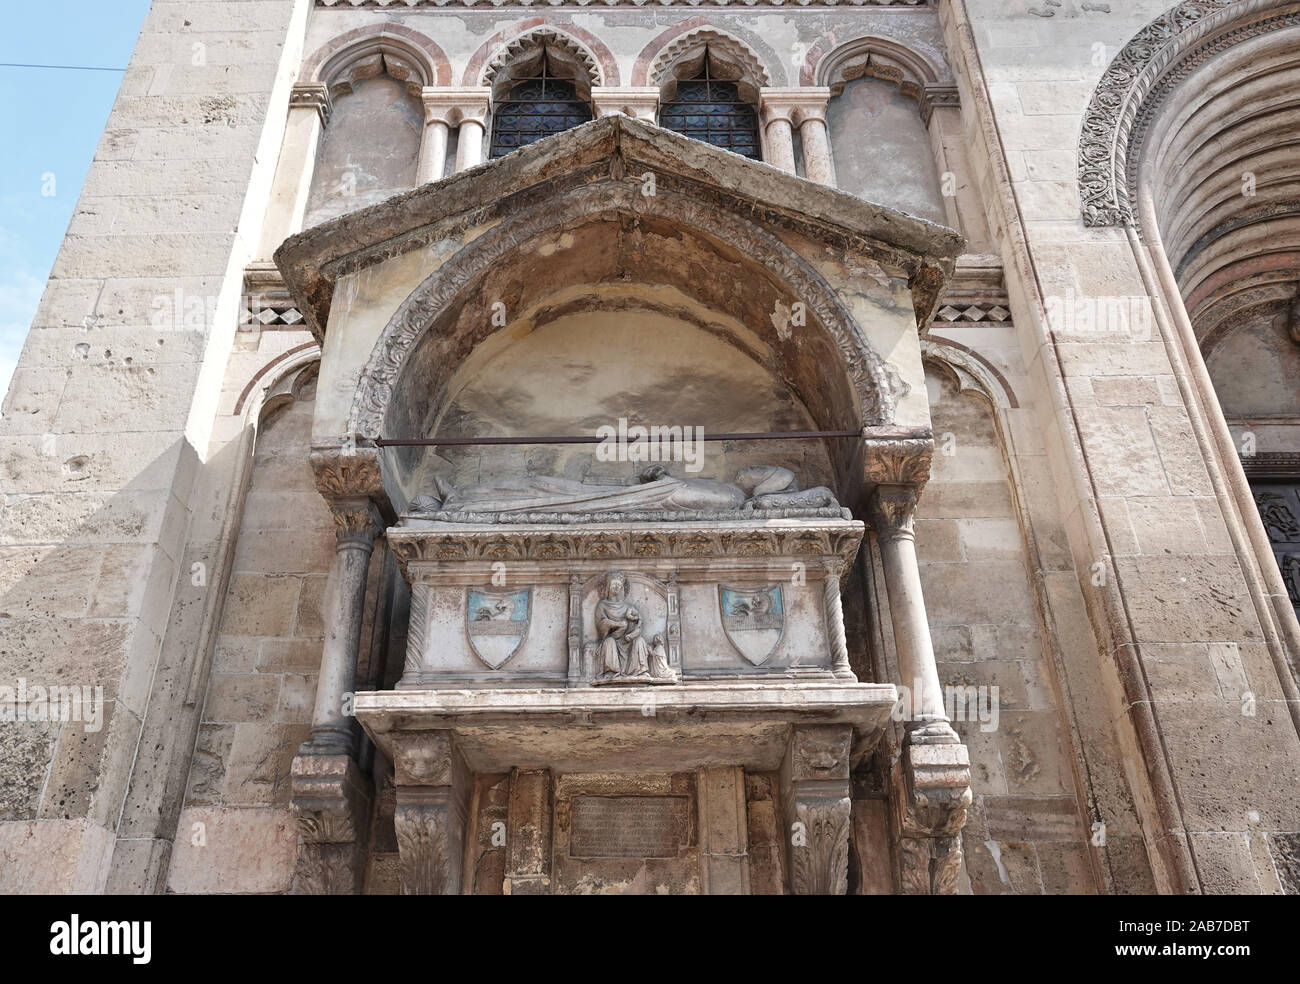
(618, 205)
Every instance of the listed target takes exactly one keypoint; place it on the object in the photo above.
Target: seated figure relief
(758, 487)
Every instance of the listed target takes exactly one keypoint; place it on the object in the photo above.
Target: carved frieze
(440, 542)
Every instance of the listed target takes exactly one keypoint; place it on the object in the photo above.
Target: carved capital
(454, 105)
(356, 522)
(350, 479)
(330, 801)
(798, 105)
(638, 101)
(897, 456)
(891, 510)
(312, 95)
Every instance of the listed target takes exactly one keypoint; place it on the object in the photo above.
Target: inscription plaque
(627, 826)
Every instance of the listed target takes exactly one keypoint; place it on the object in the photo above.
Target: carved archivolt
(1137, 82)
(724, 48)
(864, 367)
(392, 49)
(571, 52)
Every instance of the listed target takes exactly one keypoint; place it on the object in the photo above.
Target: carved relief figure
(1278, 519)
(756, 487)
(622, 652)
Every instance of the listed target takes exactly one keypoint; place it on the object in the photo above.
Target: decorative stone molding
(864, 367)
(365, 50)
(721, 44)
(266, 302)
(1135, 85)
(974, 373)
(330, 801)
(1272, 464)
(312, 95)
(841, 537)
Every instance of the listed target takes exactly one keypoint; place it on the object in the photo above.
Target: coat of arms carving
(754, 619)
(497, 623)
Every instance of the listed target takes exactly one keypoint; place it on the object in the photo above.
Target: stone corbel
(817, 806)
(931, 793)
(433, 787)
(641, 102)
(312, 95)
(935, 95)
(331, 806)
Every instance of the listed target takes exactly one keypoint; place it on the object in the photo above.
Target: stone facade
(985, 586)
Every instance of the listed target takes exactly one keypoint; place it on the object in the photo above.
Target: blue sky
(50, 122)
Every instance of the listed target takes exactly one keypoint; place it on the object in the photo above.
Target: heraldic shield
(754, 619)
(497, 623)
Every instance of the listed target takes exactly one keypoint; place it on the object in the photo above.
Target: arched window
(711, 109)
(537, 107)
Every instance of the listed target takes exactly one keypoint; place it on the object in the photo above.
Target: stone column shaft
(469, 146)
(802, 108)
(780, 142)
(816, 150)
(433, 151)
(892, 512)
(357, 522)
(445, 109)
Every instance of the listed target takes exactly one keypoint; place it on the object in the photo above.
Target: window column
(444, 110)
(802, 109)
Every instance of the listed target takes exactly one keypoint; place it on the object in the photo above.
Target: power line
(74, 68)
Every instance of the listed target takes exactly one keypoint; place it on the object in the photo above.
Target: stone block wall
(100, 446)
